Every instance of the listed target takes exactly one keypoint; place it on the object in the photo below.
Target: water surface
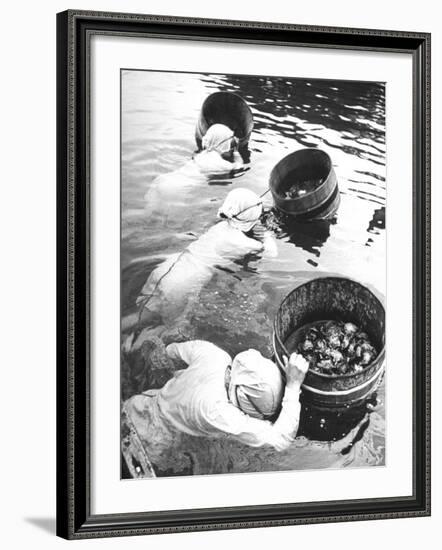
(236, 309)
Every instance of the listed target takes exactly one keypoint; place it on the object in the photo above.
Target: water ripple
(347, 120)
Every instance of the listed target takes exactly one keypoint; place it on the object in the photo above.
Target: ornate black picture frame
(74, 518)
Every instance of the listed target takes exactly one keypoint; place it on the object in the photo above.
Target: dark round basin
(229, 109)
(304, 185)
(340, 299)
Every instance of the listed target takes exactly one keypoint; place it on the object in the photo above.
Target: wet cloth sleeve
(226, 418)
(211, 162)
(196, 351)
(249, 244)
(270, 247)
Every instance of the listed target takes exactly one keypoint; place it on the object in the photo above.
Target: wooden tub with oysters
(338, 325)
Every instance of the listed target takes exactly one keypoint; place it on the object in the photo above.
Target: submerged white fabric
(256, 384)
(167, 195)
(175, 284)
(223, 243)
(242, 208)
(195, 401)
(218, 138)
(211, 163)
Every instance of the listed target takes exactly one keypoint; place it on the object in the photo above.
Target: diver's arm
(253, 245)
(283, 431)
(257, 433)
(237, 161)
(192, 350)
(270, 247)
(237, 157)
(261, 234)
(211, 162)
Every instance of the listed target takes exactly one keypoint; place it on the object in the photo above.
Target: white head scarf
(256, 385)
(242, 208)
(218, 138)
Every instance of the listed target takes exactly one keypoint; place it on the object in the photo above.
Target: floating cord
(149, 296)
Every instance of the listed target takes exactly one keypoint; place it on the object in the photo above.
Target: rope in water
(146, 300)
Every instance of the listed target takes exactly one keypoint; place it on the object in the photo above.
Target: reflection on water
(309, 236)
(236, 309)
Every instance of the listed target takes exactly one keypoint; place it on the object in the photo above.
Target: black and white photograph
(253, 274)
(221, 216)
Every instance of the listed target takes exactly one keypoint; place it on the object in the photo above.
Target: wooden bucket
(341, 299)
(318, 202)
(229, 109)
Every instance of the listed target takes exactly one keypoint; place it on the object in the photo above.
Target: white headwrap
(218, 138)
(242, 208)
(256, 385)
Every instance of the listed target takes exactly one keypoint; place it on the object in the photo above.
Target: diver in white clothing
(174, 285)
(245, 399)
(168, 194)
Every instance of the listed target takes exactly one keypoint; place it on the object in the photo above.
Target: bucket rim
(341, 393)
(318, 208)
(380, 355)
(221, 92)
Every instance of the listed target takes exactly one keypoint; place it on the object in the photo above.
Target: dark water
(236, 309)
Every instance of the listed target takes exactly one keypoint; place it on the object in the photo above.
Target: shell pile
(299, 189)
(335, 347)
